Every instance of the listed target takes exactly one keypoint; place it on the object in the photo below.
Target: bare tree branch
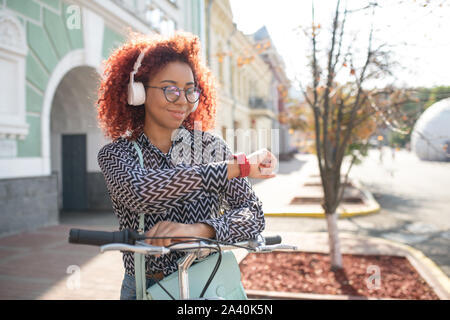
(357, 104)
(330, 77)
(315, 105)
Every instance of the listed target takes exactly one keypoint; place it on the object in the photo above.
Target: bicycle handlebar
(272, 240)
(99, 238)
(129, 240)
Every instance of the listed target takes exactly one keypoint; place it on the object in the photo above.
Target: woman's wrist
(233, 169)
(239, 166)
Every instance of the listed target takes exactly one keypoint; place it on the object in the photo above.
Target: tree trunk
(333, 239)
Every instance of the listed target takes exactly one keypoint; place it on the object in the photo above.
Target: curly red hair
(118, 119)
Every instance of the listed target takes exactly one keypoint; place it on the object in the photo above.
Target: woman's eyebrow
(174, 82)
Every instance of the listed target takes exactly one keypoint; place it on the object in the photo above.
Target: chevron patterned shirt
(188, 185)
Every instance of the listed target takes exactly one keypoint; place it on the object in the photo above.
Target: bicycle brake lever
(275, 247)
(256, 242)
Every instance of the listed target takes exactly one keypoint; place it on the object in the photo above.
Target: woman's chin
(175, 124)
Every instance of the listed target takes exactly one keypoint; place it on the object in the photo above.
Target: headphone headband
(138, 62)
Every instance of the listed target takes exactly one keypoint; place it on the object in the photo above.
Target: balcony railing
(259, 103)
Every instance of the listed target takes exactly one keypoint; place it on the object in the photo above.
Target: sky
(416, 32)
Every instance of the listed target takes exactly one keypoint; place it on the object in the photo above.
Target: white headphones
(136, 90)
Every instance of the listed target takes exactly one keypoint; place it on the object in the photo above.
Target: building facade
(251, 79)
(51, 55)
(279, 89)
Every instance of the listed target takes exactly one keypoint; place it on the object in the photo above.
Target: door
(74, 172)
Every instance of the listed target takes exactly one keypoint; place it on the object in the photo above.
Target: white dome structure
(430, 139)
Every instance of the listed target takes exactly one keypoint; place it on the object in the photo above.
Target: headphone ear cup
(136, 94)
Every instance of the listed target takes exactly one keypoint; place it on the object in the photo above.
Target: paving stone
(405, 238)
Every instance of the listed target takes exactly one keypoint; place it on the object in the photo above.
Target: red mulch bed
(307, 272)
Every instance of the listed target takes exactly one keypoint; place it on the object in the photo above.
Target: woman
(154, 91)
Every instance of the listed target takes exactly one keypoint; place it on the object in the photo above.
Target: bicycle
(223, 283)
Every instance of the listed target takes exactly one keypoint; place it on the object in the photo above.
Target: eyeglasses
(173, 93)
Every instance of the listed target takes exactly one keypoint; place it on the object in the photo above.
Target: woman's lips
(177, 114)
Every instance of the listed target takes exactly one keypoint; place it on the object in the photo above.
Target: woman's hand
(176, 229)
(262, 164)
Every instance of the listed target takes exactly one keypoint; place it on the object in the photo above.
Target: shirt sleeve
(155, 190)
(243, 217)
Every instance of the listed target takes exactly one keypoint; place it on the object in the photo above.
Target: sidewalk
(297, 192)
(41, 264)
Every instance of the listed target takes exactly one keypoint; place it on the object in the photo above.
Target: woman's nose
(182, 98)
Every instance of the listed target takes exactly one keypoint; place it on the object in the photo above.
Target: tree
(436, 94)
(346, 113)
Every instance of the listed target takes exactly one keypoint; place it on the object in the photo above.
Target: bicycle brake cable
(208, 282)
(162, 287)
(197, 239)
(213, 273)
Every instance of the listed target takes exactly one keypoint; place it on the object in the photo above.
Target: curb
(354, 244)
(260, 294)
(370, 206)
(320, 215)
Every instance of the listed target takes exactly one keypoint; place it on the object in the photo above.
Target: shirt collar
(143, 140)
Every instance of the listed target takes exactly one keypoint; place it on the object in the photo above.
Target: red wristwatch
(244, 164)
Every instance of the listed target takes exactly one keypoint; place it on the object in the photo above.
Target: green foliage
(399, 140)
(436, 94)
(425, 97)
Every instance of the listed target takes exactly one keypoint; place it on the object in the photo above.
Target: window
(154, 16)
(13, 51)
(220, 64)
(167, 26)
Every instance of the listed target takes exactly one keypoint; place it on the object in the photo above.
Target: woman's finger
(166, 232)
(156, 231)
(151, 233)
(161, 232)
(265, 171)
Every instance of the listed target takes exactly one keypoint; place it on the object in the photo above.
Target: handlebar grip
(99, 238)
(272, 240)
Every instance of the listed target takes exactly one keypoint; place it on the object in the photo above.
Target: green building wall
(49, 39)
